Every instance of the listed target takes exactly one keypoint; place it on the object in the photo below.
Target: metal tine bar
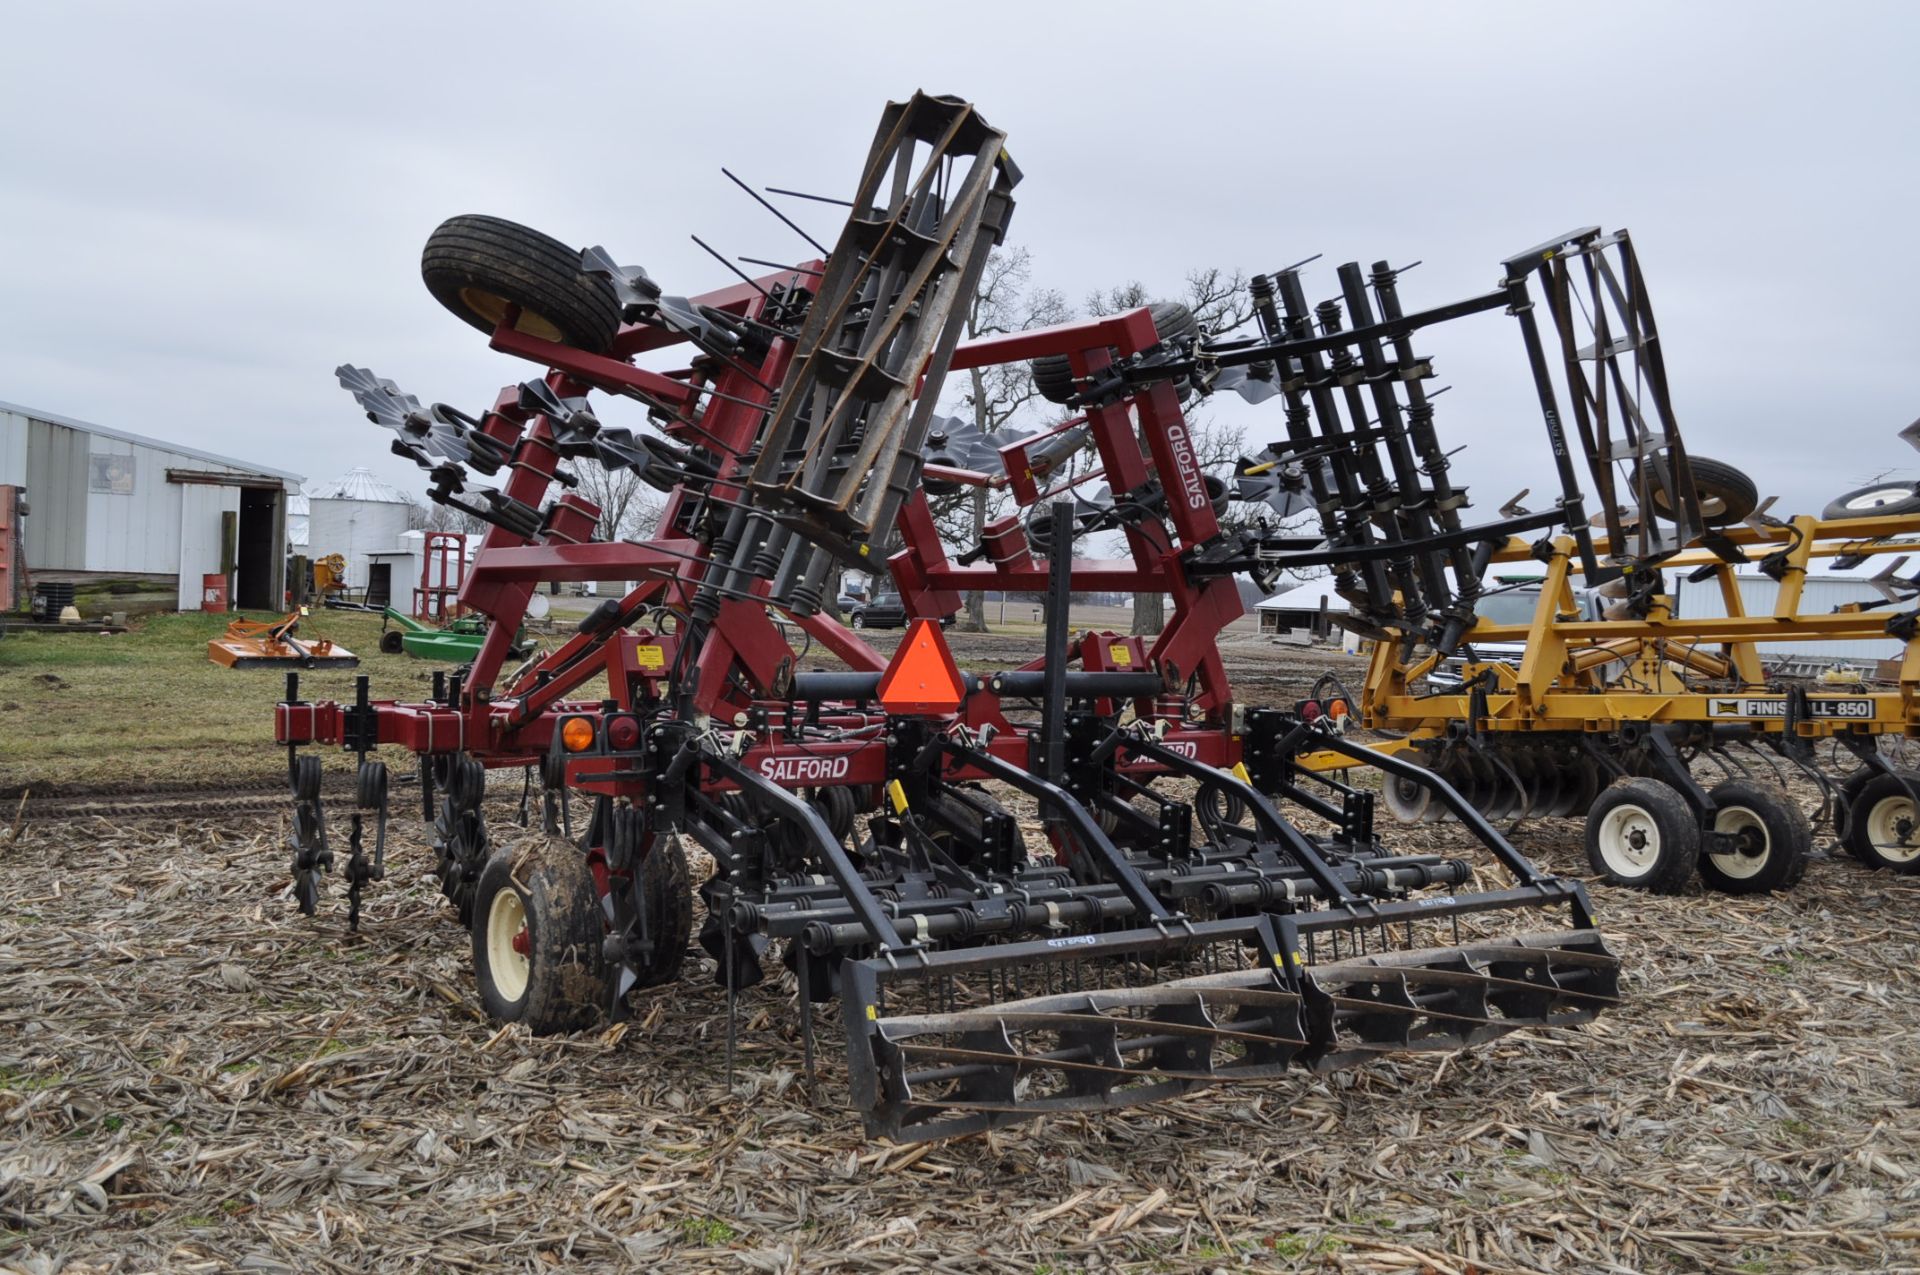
(785, 220)
(1416, 502)
(1176, 991)
(1159, 1026)
(1024, 1062)
(1353, 527)
(781, 265)
(1400, 521)
(1416, 1010)
(801, 194)
(740, 274)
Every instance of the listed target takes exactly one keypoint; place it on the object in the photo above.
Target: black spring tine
(733, 1000)
(803, 969)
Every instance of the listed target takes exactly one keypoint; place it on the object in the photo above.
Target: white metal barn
(104, 503)
(1820, 595)
(356, 516)
(1300, 606)
(397, 574)
(297, 513)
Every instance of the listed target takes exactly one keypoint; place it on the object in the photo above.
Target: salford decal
(804, 770)
(1190, 480)
(1190, 749)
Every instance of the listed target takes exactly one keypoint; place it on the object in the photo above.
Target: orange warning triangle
(922, 677)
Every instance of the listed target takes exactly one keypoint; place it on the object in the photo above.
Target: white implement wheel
(1883, 824)
(538, 938)
(1762, 843)
(508, 944)
(1641, 834)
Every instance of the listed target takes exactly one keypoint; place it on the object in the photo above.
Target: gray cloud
(207, 207)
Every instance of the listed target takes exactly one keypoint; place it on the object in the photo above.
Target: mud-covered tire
(1641, 834)
(1774, 840)
(1883, 823)
(1053, 373)
(666, 893)
(477, 266)
(391, 643)
(545, 889)
(1846, 792)
(1726, 494)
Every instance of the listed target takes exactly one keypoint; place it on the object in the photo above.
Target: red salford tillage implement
(1177, 928)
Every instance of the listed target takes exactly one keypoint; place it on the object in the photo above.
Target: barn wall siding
(138, 531)
(56, 530)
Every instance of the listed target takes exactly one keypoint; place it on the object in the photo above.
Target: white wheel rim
(1742, 823)
(1629, 840)
(1890, 827)
(506, 921)
(1879, 496)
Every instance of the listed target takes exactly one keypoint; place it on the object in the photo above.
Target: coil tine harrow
(959, 1067)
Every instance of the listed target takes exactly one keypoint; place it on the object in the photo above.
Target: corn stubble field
(194, 1077)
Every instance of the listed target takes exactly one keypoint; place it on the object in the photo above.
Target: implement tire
(1641, 834)
(666, 892)
(479, 266)
(1774, 839)
(538, 938)
(1883, 824)
(1726, 494)
(1053, 373)
(1877, 500)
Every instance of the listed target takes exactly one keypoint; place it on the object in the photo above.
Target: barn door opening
(257, 554)
(380, 584)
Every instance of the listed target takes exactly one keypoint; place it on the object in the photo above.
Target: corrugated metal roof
(1302, 597)
(359, 484)
(125, 436)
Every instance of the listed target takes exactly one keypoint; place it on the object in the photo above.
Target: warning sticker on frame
(1848, 708)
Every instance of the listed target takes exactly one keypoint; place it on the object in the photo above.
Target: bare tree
(629, 509)
(1006, 301)
(433, 516)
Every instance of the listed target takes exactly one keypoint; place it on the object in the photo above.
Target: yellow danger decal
(1119, 654)
(649, 657)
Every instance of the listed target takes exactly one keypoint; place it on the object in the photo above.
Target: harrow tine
(1160, 1026)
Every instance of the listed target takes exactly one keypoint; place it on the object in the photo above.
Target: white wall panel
(198, 535)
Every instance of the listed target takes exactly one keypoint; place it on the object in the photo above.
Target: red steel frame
(441, 601)
(513, 724)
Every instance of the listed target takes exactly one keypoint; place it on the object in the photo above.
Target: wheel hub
(495, 308)
(1891, 825)
(1744, 845)
(1629, 840)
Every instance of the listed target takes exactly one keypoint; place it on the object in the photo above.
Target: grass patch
(707, 1232)
(147, 708)
(15, 1080)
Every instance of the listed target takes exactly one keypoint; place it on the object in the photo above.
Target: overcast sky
(207, 207)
